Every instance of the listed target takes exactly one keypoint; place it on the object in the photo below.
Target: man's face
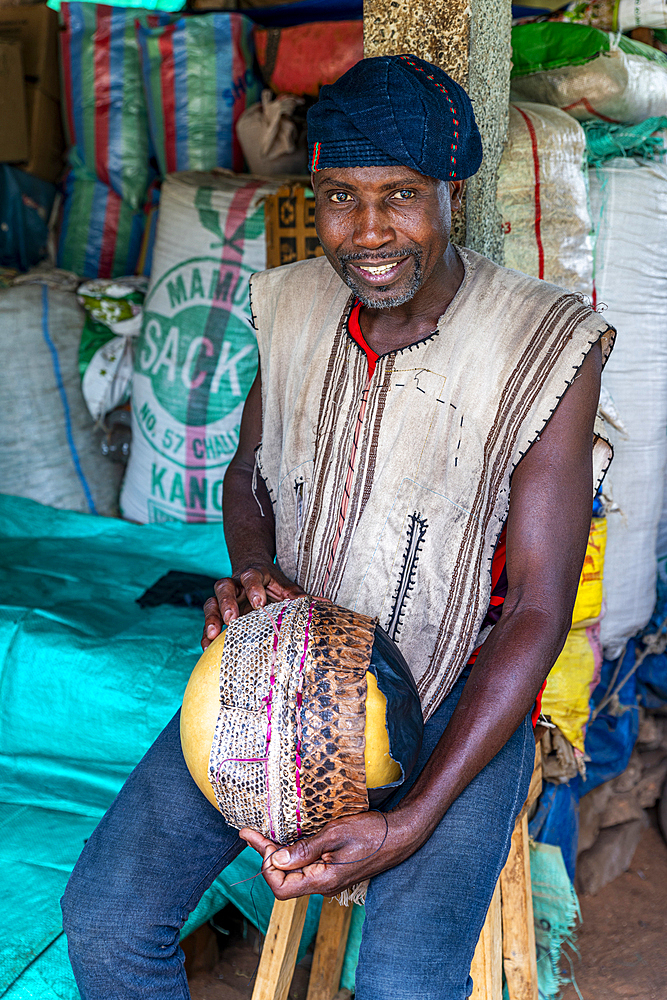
(384, 229)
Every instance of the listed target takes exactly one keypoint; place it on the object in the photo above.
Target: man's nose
(372, 229)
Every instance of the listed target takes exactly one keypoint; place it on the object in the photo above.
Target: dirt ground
(622, 941)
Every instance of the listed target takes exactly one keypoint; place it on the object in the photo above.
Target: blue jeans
(161, 845)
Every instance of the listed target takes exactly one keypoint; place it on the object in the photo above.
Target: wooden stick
(281, 944)
(329, 950)
(486, 969)
(519, 954)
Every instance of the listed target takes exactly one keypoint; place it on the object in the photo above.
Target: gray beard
(368, 300)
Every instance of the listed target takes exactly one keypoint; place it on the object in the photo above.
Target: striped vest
(390, 493)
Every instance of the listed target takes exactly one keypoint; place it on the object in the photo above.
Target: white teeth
(379, 269)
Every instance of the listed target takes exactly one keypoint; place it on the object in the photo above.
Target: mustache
(379, 255)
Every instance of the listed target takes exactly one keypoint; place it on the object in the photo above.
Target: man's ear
(456, 194)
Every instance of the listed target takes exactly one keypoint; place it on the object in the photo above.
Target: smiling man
(417, 446)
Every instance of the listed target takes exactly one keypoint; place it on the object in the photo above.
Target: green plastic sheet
(548, 45)
(87, 681)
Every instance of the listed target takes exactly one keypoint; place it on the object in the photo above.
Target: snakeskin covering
(288, 750)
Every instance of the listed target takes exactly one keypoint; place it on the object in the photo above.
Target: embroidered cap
(395, 111)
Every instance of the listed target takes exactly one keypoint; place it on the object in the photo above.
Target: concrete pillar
(470, 40)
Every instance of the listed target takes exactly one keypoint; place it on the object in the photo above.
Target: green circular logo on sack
(196, 344)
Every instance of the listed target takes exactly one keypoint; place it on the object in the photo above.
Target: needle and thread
(356, 861)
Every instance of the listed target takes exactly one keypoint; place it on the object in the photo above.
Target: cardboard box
(13, 122)
(289, 215)
(35, 28)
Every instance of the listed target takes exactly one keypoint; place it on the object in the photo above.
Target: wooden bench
(507, 939)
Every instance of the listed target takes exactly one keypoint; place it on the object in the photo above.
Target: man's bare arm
(547, 528)
(250, 532)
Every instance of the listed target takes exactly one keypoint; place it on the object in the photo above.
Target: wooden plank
(329, 950)
(535, 787)
(276, 966)
(519, 955)
(487, 967)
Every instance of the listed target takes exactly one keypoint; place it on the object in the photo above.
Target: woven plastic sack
(588, 604)
(25, 207)
(543, 199)
(571, 682)
(629, 208)
(300, 59)
(48, 448)
(113, 321)
(197, 355)
(555, 912)
(100, 234)
(104, 107)
(616, 15)
(581, 71)
(199, 78)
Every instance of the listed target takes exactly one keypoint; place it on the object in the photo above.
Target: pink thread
(299, 732)
(238, 760)
(268, 699)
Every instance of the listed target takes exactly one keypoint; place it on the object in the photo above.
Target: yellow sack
(588, 604)
(568, 689)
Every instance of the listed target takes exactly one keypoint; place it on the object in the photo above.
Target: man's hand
(258, 585)
(249, 532)
(345, 852)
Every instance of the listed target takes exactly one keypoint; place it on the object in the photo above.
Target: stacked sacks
(199, 79)
(48, 451)
(107, 131)
(197, 356)
(543, 197)
(301, 58)
(629, 209)
(589, 73)
(576, 672)
(178, 102)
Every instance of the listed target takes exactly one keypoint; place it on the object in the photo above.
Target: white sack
(629, 199)
(615, 86)
(49, 449)
(618, 15)
(543, 199)
(196, 356)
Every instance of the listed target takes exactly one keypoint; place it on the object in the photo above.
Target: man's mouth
(378, 273)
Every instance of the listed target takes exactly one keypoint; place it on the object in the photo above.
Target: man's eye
(404, 195)
(340, 197)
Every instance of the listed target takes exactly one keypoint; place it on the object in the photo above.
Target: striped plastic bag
(103, 98)
(199, 79)
(100, 233)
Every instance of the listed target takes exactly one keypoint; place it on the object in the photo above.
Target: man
(377, 448)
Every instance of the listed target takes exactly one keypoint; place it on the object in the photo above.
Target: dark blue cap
(395, 111)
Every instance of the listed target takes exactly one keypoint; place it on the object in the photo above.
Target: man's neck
(387, 330)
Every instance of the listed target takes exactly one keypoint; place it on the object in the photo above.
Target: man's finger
(227, 593)
(257, 840)
(212, 622)
(302, 853)
(254, 583)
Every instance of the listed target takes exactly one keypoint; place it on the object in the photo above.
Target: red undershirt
(498, 571)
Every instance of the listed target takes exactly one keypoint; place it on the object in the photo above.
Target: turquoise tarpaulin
(87, 681)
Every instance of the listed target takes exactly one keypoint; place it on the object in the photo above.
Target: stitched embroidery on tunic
(416, 533)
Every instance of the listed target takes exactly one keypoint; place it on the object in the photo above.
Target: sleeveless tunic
(390, 491)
